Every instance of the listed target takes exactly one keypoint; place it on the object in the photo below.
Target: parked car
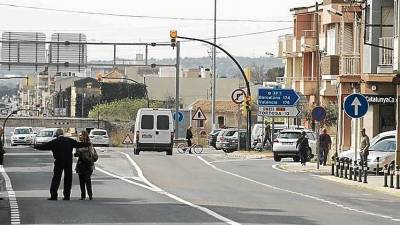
(349, 154)
(45, 135)
(384, 149)
(99, 137)
(154, 131)
(231, 143)
(257, 133)
(222, 135)
(22, 136)
(212, 138)
(285, 144)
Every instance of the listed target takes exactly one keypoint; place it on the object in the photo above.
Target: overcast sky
(118, 29)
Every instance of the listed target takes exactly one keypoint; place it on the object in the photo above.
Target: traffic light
(248, 101)
(173, 34)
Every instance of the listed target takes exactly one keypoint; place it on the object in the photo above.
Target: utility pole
(178, 44)
(214, 70)
(317, 62)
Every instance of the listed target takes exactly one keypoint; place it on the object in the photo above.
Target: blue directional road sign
(277, 97)
(356, 105)
(180, 116)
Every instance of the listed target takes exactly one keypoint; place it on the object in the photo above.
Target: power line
(141, 16)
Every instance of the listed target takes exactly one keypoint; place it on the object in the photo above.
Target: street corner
(374, 184)
(249, 155)
(294, 167)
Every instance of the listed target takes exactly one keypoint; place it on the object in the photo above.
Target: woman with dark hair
(85, 165)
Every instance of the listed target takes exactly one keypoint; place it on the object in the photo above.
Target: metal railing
(386, 55)
(350, 65)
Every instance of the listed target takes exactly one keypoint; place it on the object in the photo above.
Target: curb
(312, 171)
(246, 156)
(390, 191)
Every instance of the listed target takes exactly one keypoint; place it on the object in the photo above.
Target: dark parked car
(212, 137)
(231, 143)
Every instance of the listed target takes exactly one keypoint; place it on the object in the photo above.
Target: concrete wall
(51, 122)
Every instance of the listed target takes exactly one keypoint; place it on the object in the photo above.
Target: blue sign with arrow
(180, 116)
(356, 105)
(277, 97)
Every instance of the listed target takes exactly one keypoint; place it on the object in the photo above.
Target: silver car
(99, 137)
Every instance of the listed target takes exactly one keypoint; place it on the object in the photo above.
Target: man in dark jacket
(189, 136)
(62, 152)
(303, 147)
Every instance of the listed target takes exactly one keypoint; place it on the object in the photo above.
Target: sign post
(356, 106)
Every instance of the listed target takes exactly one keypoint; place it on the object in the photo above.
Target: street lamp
(9, 115)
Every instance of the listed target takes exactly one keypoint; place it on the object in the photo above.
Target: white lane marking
(124, 179)
(276, 167)
(300, 194)
(14, 210)
(239, 160)
(176, 198)
(27, 153)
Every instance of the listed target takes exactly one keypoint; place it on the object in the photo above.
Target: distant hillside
(225, 66)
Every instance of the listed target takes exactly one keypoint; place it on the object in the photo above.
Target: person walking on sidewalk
(325, 143)
(87, 156)
(62, 152)
(2, 152)
(364, 147)
(189, 136)
(303, 148)
(267, 136)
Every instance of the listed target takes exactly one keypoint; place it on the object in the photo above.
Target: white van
(154, 131)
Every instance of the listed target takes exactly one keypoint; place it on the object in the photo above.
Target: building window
(387, 118)
(221, 121)
(200, 123)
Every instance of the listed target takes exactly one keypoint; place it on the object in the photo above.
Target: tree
(275, 72)
(258, 74)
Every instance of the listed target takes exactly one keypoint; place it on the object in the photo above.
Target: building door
(221, 121)
(387, 117)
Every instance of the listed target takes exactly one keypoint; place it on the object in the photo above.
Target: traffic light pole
(248, 142)
(177, 105)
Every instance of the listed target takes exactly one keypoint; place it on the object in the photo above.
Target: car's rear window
(162, 122)
(386, 145)
(147, 122)
(99, 132)
(289, 135)
(230, 133)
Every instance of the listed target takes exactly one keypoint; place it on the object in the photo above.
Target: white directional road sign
(278, 111)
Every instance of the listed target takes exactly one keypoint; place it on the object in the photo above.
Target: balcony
(285, 46)
(330, 65)
(308, 41)
(308, 85)
(350, 65)
(385, 55)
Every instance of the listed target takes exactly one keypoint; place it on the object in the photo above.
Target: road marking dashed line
(154, 188)
(14, 210)
(300, 194)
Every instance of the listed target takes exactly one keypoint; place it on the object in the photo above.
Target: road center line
(14, 211)
(176, 198)
(300, 194)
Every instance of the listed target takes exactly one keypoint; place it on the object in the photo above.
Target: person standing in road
(325, 143)
(303, 148)
(364, 147)
(267, 136)
(87, 156)
(62, 152)
(189, 136)
(2, 152)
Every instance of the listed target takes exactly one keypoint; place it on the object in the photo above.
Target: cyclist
(189, 136)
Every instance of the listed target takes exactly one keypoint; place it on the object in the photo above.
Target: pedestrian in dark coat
(303, 148)
(62, 152)
(85, 165)
(189, 136)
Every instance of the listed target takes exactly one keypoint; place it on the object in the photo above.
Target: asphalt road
(153, 188)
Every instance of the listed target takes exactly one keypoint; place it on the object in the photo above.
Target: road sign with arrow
(356, 105)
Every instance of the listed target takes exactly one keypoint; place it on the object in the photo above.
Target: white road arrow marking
(356, 104)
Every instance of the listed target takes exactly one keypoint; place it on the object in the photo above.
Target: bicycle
(182, 148)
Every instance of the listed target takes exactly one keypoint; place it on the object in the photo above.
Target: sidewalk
(250, 154)
(375, 183)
